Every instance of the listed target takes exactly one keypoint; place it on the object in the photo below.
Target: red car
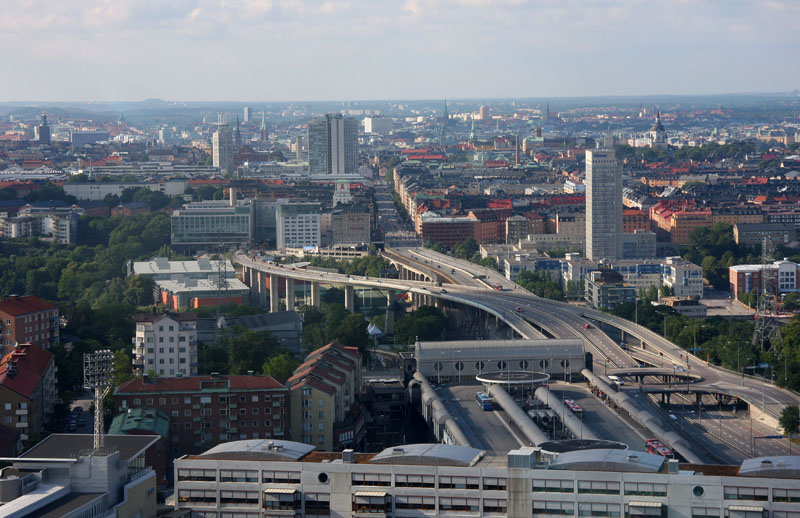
(518, 310)
(587, 326)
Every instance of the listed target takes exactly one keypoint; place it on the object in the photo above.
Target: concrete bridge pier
(350, 299)
(274, 300)
(289, 294)
(315, 291)
(261, 288)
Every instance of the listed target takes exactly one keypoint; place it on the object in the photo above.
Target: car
(673, 417)
(452, 270)
(587, 326)
(518, 310)
(443, 290)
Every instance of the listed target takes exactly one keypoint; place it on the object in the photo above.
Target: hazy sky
(272, 50)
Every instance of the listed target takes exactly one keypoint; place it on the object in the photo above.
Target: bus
(574, 407)
(615, 380)
(655, 447)
(484, 401)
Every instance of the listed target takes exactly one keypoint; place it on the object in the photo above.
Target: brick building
(633, 220)
(28, 320)
(207, 410)
(446, 231)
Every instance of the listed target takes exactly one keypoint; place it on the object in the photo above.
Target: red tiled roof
(31, 365)
(315, 383)
(17, 306)
(192, 383)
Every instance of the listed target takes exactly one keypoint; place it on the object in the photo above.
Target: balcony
(22, 425)
(234, 406)
(21, 411)
(197, 419)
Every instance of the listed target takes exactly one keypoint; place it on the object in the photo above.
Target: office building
(162, 269)
(246, 115)
(603, 205)
(298, 225)
(222, 149)
(212, 224)
(746, 278)
(683, 277)
(517, 228)
(166, 344)
(64, 477)
(284, 478)
(208, 410)
(607, 289)
(27, 390)
(378, 125)
(350, 225)
(28, 320)
(754, 233)
(82, 138)
(333, 146)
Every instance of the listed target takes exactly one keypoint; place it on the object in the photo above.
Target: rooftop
(608, 460)
(149, 419)
(163, 265)
(16, 306)
(429, 454)
(196, 383)
(258, 449)
(69, 446)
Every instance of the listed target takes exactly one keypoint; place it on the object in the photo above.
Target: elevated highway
(527, 315)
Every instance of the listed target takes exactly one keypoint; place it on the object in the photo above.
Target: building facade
(200, 225)
(350, 225)
(291, 479)
(222, 149)
(27, 390)
(608, 289)
(333, 145)
(298, 225)
(208, 410)
(28, 320)
(166, 344)
(603, 205)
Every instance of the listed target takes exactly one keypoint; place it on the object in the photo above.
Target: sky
(304, 50)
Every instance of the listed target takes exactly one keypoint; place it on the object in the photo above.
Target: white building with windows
(298, 225)
(685, 278)
(166, 344)
(260, 478)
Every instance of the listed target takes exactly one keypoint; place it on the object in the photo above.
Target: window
(198, 475)
(321, 427)
(553, 486)
(598, 487)
(249, 498)
(254, 399)
(601, 510)
(553, 508)
(174, 413)
(468, 505)
(280, 477)
(786, 495)
(307, 403)
(371, 479)
(187, 400)
(137, 402)
(6, 406)
(705, 512)
(187, 413)
(414, 481)
(446, 482)
(645, 489)
(494, 484)
(425, 503)
(491, 505)
(174, 401)
(320, 403)
(162, 401)
(760, 494)
(196, 496)
(255, 410)
(238, 475)
(318, 504)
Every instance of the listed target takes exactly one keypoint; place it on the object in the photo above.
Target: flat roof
(65, 505)
(161, 265)
(69, 446)
(499, 349)
(608, 460)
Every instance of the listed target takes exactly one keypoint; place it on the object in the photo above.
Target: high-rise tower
(603, 205)
(222, 147)
(333, 145)
(43, 130)
(237, 136)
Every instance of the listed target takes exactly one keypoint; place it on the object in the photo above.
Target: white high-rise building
(246, 114)
(222, 147)
(603, 205)
(379, 125)
(298, 225)
(166, 344)
(333, 146)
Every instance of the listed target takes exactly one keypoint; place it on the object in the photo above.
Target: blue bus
(484, 401)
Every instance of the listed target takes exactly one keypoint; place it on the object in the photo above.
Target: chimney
(347, 456)
(232, 196)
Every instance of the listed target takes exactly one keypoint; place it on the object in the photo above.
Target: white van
(616, 381)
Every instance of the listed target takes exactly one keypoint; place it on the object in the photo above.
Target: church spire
(263, 134)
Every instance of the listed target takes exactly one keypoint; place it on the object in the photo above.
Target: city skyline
(418, 49)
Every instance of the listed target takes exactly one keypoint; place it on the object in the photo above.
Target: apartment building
(28, 320)
(282, 478)
(754, 233)
(607, 289)
(50, 221)
(744, 278)
(27, 390)
(208, 410)
(165, 344)
(684, 278)
(324, 393)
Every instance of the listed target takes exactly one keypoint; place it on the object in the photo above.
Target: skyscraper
(333, 145)
(603, 205)
(43, 130)
(263, 134)
(222, 146)
(246, 114)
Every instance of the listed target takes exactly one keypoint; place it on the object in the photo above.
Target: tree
(247, 349)
(280, 366)
(353, 332)
(790, 420)
(465, 249)
(427, 323)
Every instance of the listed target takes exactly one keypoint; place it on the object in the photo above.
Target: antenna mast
(767, 332)
(98, 368)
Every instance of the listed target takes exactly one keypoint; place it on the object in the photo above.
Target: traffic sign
(763, 365)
